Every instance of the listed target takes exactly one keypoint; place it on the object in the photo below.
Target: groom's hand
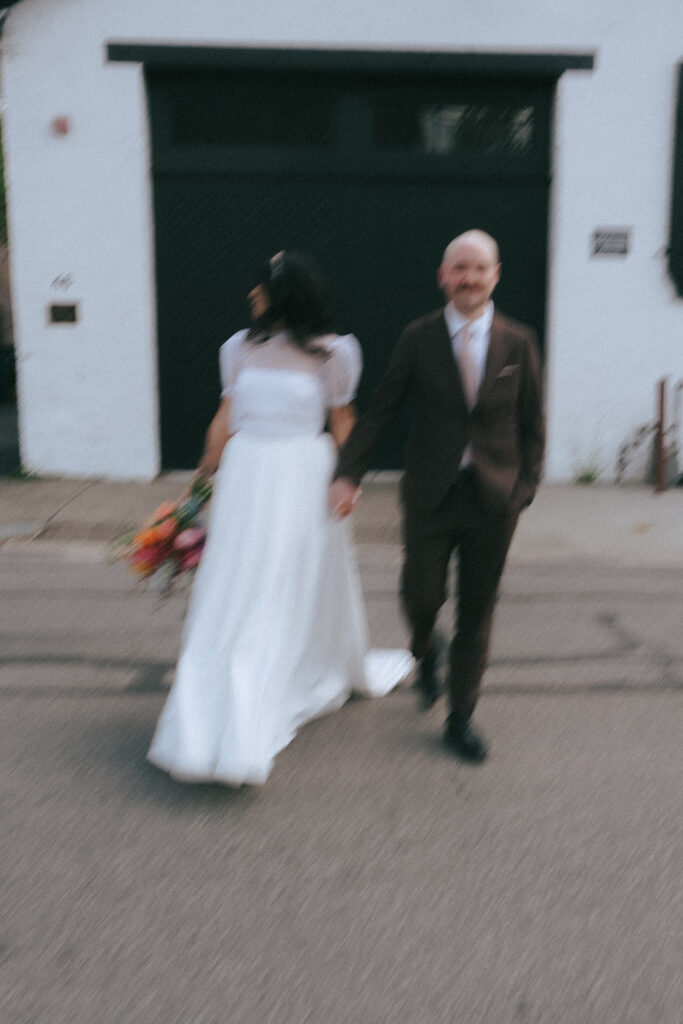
(343, 496)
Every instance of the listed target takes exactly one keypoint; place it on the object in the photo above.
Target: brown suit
(474, 511)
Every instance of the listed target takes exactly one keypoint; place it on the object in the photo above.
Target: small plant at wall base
(587, 475)
(587, 470)
(22, 473)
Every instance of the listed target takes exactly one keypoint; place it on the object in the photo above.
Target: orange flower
(166, 529)
(145, 537)
(155, 534)
(140, 569)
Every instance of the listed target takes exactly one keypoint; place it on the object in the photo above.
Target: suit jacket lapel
(496, 357)
(447, 364)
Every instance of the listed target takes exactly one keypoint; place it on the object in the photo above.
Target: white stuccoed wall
(80, 205)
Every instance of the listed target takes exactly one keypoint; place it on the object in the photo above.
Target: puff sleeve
(341, 371)
(228, 361)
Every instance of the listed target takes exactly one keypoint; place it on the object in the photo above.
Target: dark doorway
(9, 427)
(372, 174)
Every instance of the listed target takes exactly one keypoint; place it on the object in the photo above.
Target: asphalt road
(373, 879)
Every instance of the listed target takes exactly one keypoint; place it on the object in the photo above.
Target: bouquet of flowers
(169, 543)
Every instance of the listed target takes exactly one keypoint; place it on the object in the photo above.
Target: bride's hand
(344, 495)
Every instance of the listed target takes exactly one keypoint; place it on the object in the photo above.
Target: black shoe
(462, 739)
(427, 682)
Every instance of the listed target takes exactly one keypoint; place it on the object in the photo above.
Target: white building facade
(88, 251)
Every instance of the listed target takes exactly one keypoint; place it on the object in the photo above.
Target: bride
(275, 633)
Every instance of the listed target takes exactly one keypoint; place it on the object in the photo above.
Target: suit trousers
(462, 524)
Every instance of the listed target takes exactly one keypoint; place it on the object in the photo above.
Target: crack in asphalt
(150, 674)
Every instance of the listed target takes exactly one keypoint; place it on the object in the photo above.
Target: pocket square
(507, 371)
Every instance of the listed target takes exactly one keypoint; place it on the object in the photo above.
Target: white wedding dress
(275, 633)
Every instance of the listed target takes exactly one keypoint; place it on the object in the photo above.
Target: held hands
(344, 495)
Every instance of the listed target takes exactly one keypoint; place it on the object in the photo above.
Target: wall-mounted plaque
(63, 313)
(610, 242)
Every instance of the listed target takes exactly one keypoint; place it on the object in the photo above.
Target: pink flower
(191, 558)
(189, 538)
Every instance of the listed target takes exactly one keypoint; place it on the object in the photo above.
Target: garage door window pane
(250, 114)
(445, 128)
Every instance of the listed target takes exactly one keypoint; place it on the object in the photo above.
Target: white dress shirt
(479, 345)
(481, 332)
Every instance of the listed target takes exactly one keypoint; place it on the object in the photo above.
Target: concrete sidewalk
(628, 526)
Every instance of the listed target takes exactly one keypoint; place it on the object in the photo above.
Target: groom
(473, 461)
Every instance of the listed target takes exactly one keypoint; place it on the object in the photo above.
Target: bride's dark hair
(298, 297)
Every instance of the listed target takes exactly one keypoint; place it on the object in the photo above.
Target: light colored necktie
(469, 370)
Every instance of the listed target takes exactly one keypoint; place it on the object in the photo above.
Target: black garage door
(370, 173)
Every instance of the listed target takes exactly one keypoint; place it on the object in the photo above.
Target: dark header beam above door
(433, 64)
